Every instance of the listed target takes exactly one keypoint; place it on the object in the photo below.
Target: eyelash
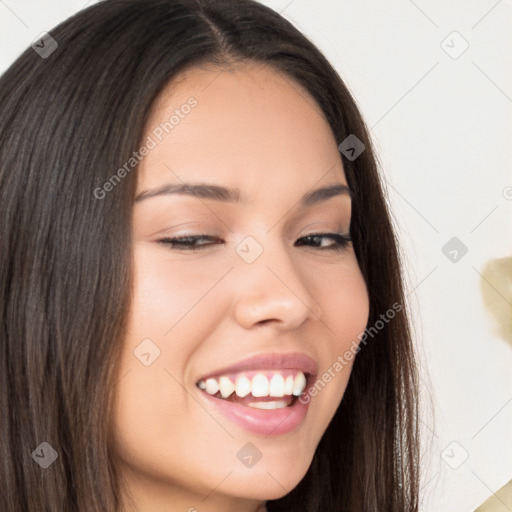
(181, 244)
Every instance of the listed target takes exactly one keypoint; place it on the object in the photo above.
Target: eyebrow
(233, 195)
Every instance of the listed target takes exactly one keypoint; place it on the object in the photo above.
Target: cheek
(155, 348)
(344, 301)
(341, 291)
(171, 300)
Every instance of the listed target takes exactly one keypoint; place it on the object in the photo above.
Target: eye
(339, 241)
(190, 243)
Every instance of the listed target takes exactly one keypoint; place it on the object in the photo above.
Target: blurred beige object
(500, 501)
(496, 287)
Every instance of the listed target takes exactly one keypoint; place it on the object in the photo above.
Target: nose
(273, 290)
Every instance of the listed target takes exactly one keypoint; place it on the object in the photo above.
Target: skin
(257, 130)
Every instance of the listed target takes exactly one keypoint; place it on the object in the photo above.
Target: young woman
(202, 306)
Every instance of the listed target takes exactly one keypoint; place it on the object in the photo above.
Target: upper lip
(272, 361)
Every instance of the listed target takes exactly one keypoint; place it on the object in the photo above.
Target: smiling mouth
(260, 389)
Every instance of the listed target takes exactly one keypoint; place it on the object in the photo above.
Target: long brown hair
(67, 123)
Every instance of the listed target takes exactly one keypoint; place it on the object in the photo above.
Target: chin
(268, 482)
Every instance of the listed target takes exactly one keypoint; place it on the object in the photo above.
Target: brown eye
(188, 243)
(340, 241)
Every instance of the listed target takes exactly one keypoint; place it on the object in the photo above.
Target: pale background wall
(441, 125)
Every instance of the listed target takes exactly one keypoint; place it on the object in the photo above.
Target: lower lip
(267, 422)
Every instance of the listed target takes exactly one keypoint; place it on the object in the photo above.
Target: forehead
(251, 127)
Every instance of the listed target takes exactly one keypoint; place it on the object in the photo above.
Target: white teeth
(211, 386)
(299, 384)
(226, 387)
(243, 386)
(259, 385)
(276, 404)
(276, 387)
(288, 385)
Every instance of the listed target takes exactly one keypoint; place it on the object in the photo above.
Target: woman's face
(255, 306)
